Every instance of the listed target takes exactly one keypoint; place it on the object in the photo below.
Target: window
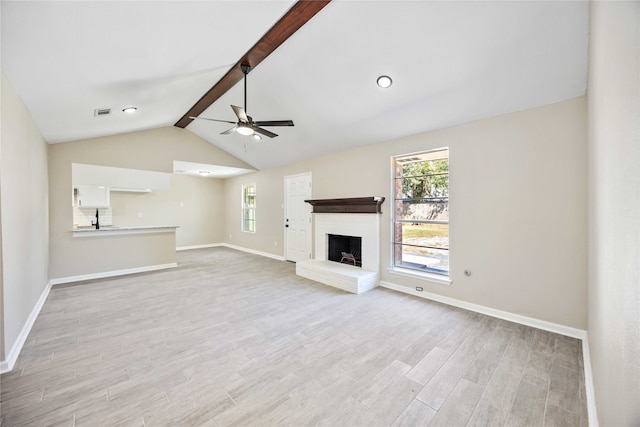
(249, 208)
(421, 212)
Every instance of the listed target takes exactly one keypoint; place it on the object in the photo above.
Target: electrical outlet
(230, 236)
(419, 289)
(275, 243)
(139, 214)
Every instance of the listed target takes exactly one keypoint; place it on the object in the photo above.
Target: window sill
(435, 278)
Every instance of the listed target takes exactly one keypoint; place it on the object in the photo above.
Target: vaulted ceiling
(451, 62)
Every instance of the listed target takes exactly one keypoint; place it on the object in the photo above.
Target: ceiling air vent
(101, 112)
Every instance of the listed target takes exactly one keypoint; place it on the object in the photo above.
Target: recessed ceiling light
(130, 110)
(256, 136)
(204, 172)
(384, 81)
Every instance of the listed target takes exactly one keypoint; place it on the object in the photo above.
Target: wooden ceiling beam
(298, 15)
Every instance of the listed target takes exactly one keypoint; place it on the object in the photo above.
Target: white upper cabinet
(119, 179)
(92, 197)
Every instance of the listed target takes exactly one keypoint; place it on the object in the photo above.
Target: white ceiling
(451, 62)
(207, 171)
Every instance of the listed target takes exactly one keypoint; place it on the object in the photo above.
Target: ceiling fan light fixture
(243, 129)
(384, 81)
(245, 125)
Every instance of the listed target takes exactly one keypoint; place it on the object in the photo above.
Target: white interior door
(298, 217)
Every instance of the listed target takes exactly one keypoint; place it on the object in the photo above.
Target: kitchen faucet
(97, 224)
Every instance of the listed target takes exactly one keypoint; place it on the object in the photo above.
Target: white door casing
(297, 217)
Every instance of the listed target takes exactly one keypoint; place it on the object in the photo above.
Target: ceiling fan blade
(275, 123)
(242, 115)
(228, 131)
(213, 120)
(264, 132)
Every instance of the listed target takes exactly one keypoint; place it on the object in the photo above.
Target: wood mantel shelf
(350, 205)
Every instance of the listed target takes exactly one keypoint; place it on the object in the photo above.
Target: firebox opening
(345, 249)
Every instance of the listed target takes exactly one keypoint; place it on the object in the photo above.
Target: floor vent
(101, 112)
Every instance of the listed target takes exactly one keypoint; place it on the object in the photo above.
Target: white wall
(614, 210)
(25, 217)
(518, 208)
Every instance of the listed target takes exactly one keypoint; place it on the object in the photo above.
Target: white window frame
(244, 207)
(437, 277)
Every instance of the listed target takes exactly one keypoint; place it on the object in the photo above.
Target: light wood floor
(229, 338)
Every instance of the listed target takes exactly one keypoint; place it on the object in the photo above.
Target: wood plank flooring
(233, 339)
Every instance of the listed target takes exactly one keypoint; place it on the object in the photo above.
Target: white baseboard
(210, 245)
(8, 364)
(230, 246)
(505, 315)
(588, 383)
(251, 251)
(113, 273)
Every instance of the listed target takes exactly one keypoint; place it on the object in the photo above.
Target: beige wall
(614, 210)
(25, 219)
(2, 353)
(518, 208)
(192, 203)
(153, 150)
(108, 253)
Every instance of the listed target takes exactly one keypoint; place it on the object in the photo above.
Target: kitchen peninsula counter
(115, 251)
(114, 231)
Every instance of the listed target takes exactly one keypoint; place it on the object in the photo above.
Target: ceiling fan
(245, 124)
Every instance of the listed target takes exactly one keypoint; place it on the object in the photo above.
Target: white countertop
(109, 230)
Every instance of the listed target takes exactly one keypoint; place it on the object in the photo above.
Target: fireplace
(345, 249)
(353, 227)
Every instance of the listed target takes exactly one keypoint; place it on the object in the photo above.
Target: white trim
(252, 251)
(113, 273)
(8, 364)
(430, 277)
(210, 245)
(505, 315)
(588, 383)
